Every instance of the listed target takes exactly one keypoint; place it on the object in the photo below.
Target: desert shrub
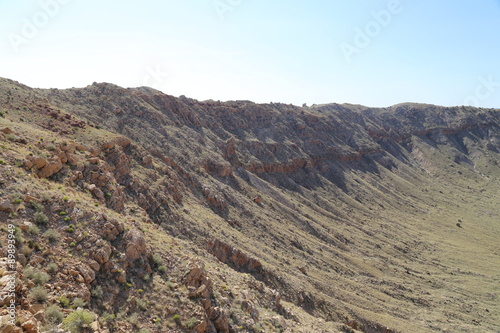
(142, 304)
(34, 230)
(157, 260)
(40, 278)
(97, 292)
(54, 314)
(41, 218)
(191, 322)
(38, 207)
(78, 303)
(52, 235)
(52, 268)
(64, 301)
(38, 294)
(133, 319)
(77, 321)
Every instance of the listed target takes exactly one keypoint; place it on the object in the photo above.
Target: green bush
(34, 230)
(64, 301)
(40, 278)
(54, 314)
(52, 268)
(78, 303)
(191, 322)
(97, 292)
(41, 218)
(78, 321)
(38, 207)
(38, 294)
(63, 213)
(52, 235)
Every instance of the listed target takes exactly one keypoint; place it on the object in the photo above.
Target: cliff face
(334, 217)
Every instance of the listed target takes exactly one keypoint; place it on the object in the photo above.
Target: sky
(371, 52)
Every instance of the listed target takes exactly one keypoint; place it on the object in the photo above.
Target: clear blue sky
(428, 51)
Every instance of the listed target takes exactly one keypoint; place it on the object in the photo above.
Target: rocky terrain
(136, 211)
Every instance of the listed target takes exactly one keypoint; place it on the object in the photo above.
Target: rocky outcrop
(135, 244)
(234, 257)
(200, 286)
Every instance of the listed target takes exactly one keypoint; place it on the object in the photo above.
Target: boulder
(53, 166)
(135, 244)
(5, 206)
(102, 255)
(87, 273)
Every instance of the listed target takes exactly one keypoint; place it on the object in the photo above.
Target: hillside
(164, 214)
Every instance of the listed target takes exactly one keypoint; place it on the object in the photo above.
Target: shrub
(52, 235)
(38, 207)
(34, 230)
(157, 260)
(39, 294)
(41, 218)
(78, 320)
(40, 278)
(52, 268)
(67, 219)
(78, 303)
(191, 322)
(176, 317)
(142, 304)
(63, 213)
(133, 319)
(97, 292)
(64, 301)
(54, 314)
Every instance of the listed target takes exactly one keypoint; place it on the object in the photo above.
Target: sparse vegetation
(54, 314)
(78, 320)
(38, 294)
(52, 235)
(41, 218)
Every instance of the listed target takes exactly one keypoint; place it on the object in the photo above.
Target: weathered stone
(87, 273)
(5, 206)
(53, 166)
(102, 255)
(135, 244)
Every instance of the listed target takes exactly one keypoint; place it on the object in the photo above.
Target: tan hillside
(135, 211)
